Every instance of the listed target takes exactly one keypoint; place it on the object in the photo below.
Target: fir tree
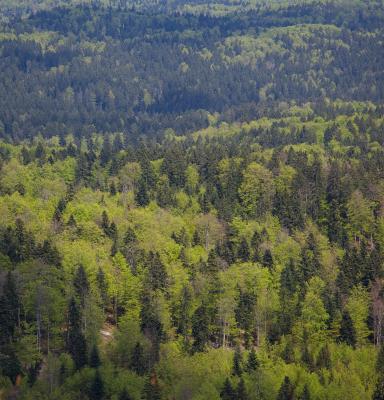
(97, 387)
(347, 330)
(267, 259)
(252, 362)
(94, 358)
(9, 310)
(286, 391)
(243, 252)
(241, 392)
(137, 363)
(124, 395)
(227, 392)
(237, 368)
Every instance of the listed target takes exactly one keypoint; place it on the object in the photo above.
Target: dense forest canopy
(192, 200)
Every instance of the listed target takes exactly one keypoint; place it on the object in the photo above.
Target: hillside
(192, 201)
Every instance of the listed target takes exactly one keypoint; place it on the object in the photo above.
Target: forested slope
(192, 205)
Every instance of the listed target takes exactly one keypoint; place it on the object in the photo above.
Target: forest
(191, 200)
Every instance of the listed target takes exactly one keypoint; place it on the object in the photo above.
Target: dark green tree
(97, 391)
(138, 363)
(237, 368)
(252, 362)
(228, 392)
(94, 358)
(347, 330)
(286, 391)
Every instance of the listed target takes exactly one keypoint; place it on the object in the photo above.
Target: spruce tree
(252, 362)
(94, 358)
(124, 395)
(286, 391)
(97, 387)
(243, 252)
(237, 368)
(306, 395)
(347, 330)
(227, 392)
(76, 344)
(9, 310)
(137, 363)
(241, 392)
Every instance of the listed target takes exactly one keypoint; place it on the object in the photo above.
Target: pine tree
(105, 222)
(142, 197)
(97, 387)
(200, 327)
(286, 391)
(106, 152)
(94, 358)
(81, 284)
(243, 252)
(347, 330)
(267, 259)
(380, 361)
(324, 358)
(124, 395)
(102, 285)
(151, 389)
(306, 395)
(237, 368)
(9, 310)
(137, 363)
(241, 392)
(112, 189)
(157, 273)
(252, 362)
(76, 344)
(227, 392)
(379, 390)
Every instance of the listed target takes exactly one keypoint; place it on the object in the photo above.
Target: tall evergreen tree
(347, 330)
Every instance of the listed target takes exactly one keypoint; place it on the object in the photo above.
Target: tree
(200, 327)
(241, 392)
(324, 358)
(9, 310)
(81, 285)
(306, 395)
(286, 391)
(142, 197)
(94, 359)
(157, 273)
(347, 330)
(378, 394)
(237, 368)
(243, 252)
(76, 344)
(124, 395)
(380, 361)
(151, 389)
(97, 387)
(137, 359)
(227, 392)
(252, 362)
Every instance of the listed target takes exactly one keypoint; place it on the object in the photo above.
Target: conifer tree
(97, 387)
(252, 362)
(243, 252)
(94, 358)
(286, 391)
(241, 392)
(227, 392)
(137, 359)
(237, 368)
(347, 330)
